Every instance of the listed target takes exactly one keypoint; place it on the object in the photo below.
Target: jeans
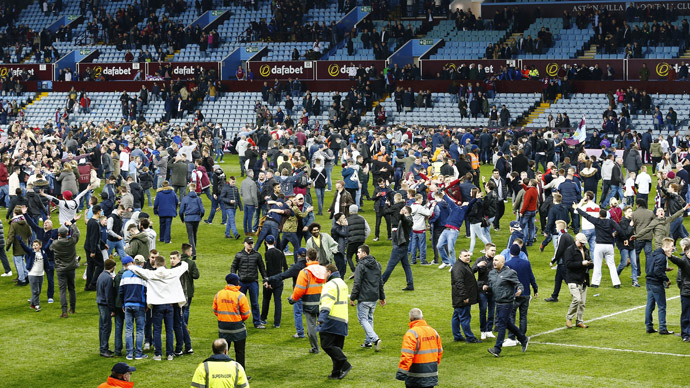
(134, 315)
(36, 283)
(163, 313)
(118, 246)
(447, 241)
(365, 316)
(521, 303)
(656, 293)
(604, 252)
(399, 255)
(5, 193)
(148, 196)
(275, 293)
(329, 170)
(487, 229)
(165, 226)
(270, 228)
(628, 254)
(639, 246)
(591, 238)
(5, 263)
(230, 222)
(119, 326)
(476, 230)
(487, 308)
(192, 229)
(20, 266)
(332, 344)
(677, 229)
(387, 218)
(214, 204)
(66, 283)
(418, 243)
(247, 218)
(297, 315)
(504, 323)
(612, 191)
(527, 225)
(320, 193)
(105, 326)
(462, 318)
(577, 304)
(180, 329)
(93, 269)
(685, 316)
(291, 237)
(253, 288)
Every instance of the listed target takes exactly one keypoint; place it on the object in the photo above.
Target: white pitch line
(611, 349)
(602, 317)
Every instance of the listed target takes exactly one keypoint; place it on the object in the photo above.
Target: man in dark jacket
(487, 306)
(275, 264)
(93, 248)
(557, 212)
(464, 295)
(578, 264)
(165, 206)
(248, 264)
(656, 280)
(191, 213)
(526, 276)
(401, 241)
(64, 250)
(293, 272)
(105, 299)
(565, 240)
(137, 194)
(382, 193)
(367, 290)
(571, 193)
(683, 264)
(502, 282)
(231, 200)
(357, 232)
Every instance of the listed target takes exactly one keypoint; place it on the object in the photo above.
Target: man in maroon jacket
(529, 211)
(4, 181)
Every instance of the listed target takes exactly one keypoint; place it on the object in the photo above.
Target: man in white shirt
(163, 290)
(241, 147)
(644, 184)
(588, 205)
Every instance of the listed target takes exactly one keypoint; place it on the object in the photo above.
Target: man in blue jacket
(165, 206)
(105, 298)
(191, 213)
(570, 192)
(452, 228)
(132, 292)
(526, 277)
(656, 292)
(351, 177)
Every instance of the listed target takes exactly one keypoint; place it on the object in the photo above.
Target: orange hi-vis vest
(420, 355)
(231, 309)
(475, 161)
(310, 281)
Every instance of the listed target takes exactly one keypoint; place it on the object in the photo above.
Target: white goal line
(611, 349)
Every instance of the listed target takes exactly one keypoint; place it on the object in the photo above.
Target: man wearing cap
(292, 272)
(105, 299)
(163, 288)
(132, 292)
(120, 376)
(67, 205)
(220, 370)
(577, 263)
(275, 264)
(65, 253)
(92, 246)
(231, 308)
(247, 265)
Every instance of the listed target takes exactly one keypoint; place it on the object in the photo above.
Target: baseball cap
(515, 225)
(581, 238)
(270, 239)
(302, 252)
(127, 260)
(299, 196)
(249, 240)
(232, 278)
(122, 368)
(514, 250)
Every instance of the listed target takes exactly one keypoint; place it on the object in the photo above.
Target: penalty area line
(599, 318)
(610, 349)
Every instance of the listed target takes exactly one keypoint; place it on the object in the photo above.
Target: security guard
(421, 353)
(333, 321)
(219, 370)
(232, 309)
(310, 281)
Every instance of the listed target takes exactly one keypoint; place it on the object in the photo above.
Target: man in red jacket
(529, 211)
(5, 182)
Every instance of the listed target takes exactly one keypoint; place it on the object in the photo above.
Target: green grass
(40, 349)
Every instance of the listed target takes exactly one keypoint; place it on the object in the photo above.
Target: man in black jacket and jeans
(367, 290)
(565, 240)
(92, 246)
(464, 295)
(487, 306)
(293, 272)
(683, 264)
(275, 264)
(401, 240)
(247, 264)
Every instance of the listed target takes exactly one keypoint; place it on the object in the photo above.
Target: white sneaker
(170, 357)
(483, 336)
(509, 342)
(50, 300)
(147, 346)
(490, 334)
(156, 358)
(442, 266)
(6, 274)
(84, 276)
(450, 269)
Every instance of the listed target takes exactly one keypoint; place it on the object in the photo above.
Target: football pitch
(41, 350)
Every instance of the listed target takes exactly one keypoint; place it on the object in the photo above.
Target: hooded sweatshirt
(368, 286)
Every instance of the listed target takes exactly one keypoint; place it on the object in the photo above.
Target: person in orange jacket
(120, 376)
(232, 309)
(420, 354)
(308, 287)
